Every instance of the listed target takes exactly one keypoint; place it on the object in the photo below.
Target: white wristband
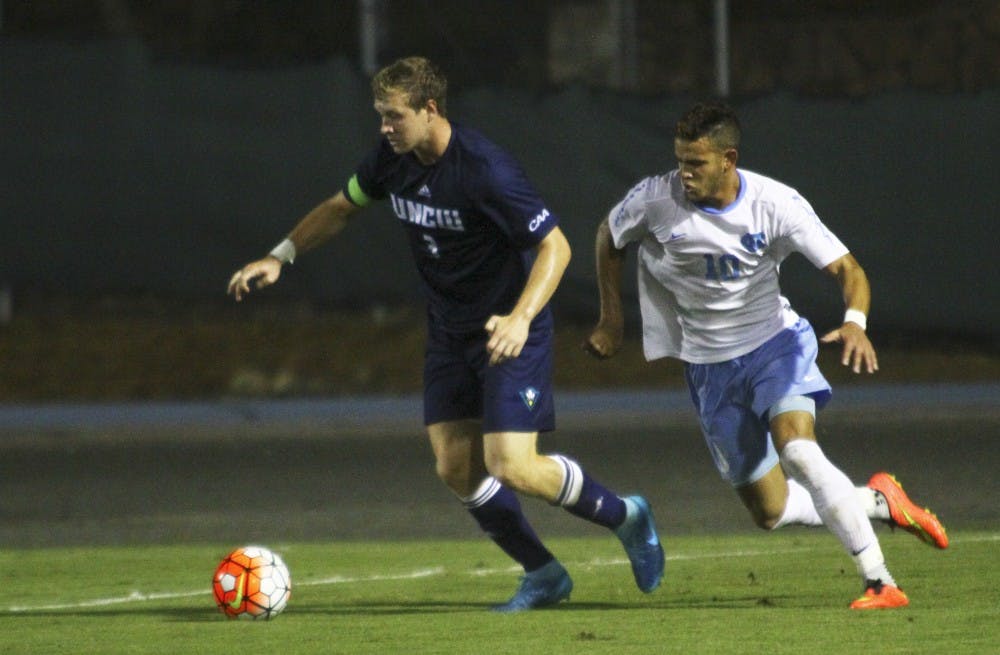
(856, 316)
(284, 252)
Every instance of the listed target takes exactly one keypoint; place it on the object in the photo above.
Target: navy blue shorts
(513, 396)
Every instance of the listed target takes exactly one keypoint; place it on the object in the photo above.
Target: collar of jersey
(739, 196)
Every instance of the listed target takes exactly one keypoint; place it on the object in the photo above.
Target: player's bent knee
(802, 459)
(457, 475)
(447, 472)
(765, 498)
(765, 518)
(769, 522)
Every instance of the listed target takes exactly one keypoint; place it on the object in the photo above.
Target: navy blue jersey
(472, 219)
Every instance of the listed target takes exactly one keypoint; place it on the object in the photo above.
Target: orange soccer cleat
(879, 596)
(907, 515)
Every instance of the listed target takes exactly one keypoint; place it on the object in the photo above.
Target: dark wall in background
(119, 176)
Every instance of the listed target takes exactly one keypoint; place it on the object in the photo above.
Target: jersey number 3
(432, 246)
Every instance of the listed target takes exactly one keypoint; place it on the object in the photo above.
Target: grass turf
(777, 593)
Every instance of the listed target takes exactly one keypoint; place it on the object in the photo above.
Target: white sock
(836, 502)
(483, 493)
(799, 508)
(572, 483)
(874, 503)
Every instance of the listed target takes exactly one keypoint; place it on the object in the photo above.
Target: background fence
(154, 149)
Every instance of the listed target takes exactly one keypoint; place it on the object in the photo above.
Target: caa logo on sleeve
(537, 221)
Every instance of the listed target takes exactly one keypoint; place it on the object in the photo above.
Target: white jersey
(708, 279)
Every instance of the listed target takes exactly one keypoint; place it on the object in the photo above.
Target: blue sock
(587, 498)
(498, 512)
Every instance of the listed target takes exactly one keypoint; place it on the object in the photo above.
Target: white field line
(138, 596)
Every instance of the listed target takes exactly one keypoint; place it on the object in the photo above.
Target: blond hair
(418, 78)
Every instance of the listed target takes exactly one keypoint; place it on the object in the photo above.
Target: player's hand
(508, 335)
(263, 272)
(859, 353)
(604, 341)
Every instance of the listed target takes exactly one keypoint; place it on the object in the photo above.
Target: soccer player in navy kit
(490, 256)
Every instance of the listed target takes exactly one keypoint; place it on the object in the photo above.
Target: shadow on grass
(395, 608)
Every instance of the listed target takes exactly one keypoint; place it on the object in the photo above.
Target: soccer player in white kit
(710, 240)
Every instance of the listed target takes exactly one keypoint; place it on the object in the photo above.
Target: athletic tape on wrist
(856, 316)
(284, 252)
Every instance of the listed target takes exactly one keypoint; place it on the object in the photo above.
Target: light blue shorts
(733, 399)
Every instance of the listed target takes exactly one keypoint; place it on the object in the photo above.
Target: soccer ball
(251, 583)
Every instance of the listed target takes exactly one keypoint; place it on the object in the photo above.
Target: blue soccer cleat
(642, 545)
(540, 588)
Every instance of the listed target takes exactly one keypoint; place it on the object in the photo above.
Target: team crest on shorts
(530, 396)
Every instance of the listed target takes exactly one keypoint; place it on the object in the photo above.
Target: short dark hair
(419, 78)
(712, 119)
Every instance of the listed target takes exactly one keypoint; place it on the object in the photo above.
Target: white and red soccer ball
(252, 582)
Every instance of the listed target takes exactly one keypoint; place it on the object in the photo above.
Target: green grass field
(755, 593)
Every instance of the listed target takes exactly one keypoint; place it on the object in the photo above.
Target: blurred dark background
(150, 149)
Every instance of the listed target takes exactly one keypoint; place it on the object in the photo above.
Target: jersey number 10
(726, 267)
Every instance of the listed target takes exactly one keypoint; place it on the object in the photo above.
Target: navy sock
(502, 519)
(598, 505)
(587, 498)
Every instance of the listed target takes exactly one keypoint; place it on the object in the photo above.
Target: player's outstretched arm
(858, 351)
(263, 272)
(509, 333)
(325, 220)
(606, 337)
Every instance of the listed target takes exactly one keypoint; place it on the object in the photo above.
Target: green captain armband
(355, 194)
